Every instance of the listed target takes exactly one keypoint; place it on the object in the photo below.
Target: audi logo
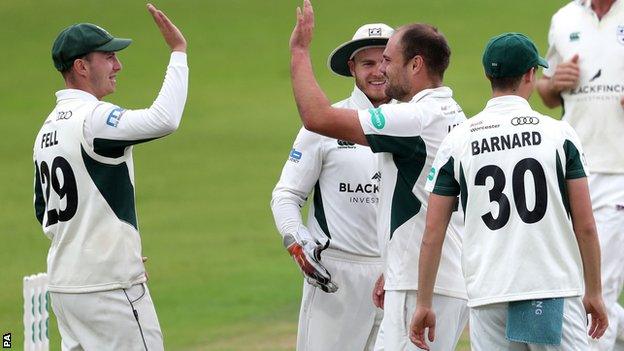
(518, 121)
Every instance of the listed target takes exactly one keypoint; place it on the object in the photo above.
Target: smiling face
(396, 71)
(365, 68)
(101, 72)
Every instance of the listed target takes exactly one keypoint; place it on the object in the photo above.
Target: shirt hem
(524, 296)
(95, 287)
(436, 290)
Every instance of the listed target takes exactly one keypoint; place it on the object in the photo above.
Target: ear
(351, 65)
(417, 64)
(531, 75)
(80, 67)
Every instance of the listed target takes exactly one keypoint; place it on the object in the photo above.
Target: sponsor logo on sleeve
(114, 116)
(377, 118)
(294, 155)
(620, 34)
(431, 174)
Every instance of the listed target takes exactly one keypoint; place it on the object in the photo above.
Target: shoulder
(107, 112)
(572, 8)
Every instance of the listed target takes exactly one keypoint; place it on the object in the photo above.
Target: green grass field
(218, 274)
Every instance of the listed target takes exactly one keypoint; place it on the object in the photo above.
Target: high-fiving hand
(172, 35)
(301, 36)
(566, 75)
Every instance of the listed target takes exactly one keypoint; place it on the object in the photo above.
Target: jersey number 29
(49, 176)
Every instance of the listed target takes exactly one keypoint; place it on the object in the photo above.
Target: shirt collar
(360, 99)
(439, 92)
(67, 94)
(507, 101)
(585, 6)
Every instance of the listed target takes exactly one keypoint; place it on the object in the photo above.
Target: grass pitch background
(218, 274)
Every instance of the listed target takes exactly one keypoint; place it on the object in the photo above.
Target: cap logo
(374, 32)
(620, 34)
(494, 64)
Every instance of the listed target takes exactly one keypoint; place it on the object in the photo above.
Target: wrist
(299, 51)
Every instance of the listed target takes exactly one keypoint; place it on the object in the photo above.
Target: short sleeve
(391, 128)
(553, 57)
(576, 164)
(442, 179)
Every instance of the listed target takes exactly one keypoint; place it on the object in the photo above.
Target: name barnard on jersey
(505, 142)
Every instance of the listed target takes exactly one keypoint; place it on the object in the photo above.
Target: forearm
(428, 262)
(286, 213)
(312, 103)
(590, 253)
(550, 96)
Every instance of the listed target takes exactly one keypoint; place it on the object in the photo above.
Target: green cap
(510, 55)
(80, 39)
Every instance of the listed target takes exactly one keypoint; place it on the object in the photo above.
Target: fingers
(575, 58)
(432, 333)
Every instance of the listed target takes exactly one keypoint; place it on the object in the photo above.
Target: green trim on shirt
(409, 155)
(463, 189)
(115, 148)
(113, 182)
(574, 165)
(319, 211)
(561, 180)
(445, 184)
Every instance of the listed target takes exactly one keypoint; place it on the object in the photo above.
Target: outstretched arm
(111, 129)
(438, 215)
(314, 108)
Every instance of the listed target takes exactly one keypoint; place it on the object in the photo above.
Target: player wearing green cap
(84, 190)
(530, 249)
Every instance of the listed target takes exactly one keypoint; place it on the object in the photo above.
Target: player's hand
(170, 32)
(595, 307)
(307, 254)
(301, 36)
(566, 75)
(378, 292)
(423, 319)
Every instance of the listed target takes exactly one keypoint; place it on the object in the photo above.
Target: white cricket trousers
(607, 194)
(106, 320)
(488, 323)
(399, 306)
(345, 320)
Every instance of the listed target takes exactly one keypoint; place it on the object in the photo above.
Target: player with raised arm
(530, 249)
(342, 218)
(84, 189)
(407, 136)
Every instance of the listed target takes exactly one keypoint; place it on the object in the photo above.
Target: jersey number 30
(68, 189)
(519, 192)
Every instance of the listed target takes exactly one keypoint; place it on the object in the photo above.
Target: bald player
(84, 190)
(406, 136)
(344, 178)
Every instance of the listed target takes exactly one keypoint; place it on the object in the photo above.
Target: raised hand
(301, 36)
(172, 35)
(566, 75)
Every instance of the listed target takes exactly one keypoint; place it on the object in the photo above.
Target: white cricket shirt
(407, 136)
(345, 179)
(84, 183)
(593, 108)
(510, 165)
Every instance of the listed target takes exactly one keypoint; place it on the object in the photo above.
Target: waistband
(349, 257)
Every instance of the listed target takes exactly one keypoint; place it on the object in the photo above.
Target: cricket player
(407, 136)
(586, 76)
(84, 190)
(530, 249)
(342, 217)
